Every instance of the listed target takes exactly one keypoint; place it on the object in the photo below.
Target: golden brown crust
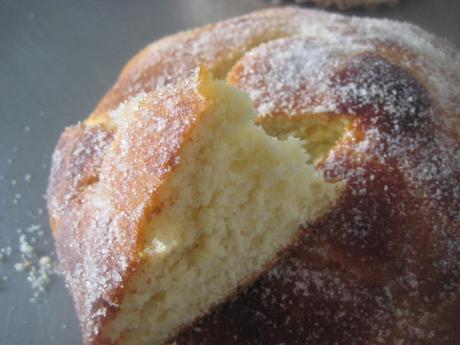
(76, 165)
(174, 57)
(102, 188)
(383, 268)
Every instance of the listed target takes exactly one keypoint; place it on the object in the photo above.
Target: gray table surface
(57, 58)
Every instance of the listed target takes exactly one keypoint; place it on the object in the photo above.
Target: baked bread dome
(377, 103)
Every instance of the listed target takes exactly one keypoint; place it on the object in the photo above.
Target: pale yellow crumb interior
(235, 201)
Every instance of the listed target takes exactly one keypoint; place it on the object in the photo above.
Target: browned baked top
(382, 268)
(102, 188)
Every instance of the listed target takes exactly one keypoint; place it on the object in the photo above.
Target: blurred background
(57, 58)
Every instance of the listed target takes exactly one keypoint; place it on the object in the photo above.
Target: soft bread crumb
(237, 199)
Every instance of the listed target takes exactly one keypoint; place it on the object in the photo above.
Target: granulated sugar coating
(384, 266)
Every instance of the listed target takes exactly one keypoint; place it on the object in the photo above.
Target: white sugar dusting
(409, 81)
(401, 87)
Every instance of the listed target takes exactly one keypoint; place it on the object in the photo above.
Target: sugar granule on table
(39, 268)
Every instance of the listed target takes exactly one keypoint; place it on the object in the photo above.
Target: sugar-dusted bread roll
(375, 103)
(173, 204)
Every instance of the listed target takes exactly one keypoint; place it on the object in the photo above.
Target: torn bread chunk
(218, 201)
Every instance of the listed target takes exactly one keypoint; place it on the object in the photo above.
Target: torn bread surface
(235, 200)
